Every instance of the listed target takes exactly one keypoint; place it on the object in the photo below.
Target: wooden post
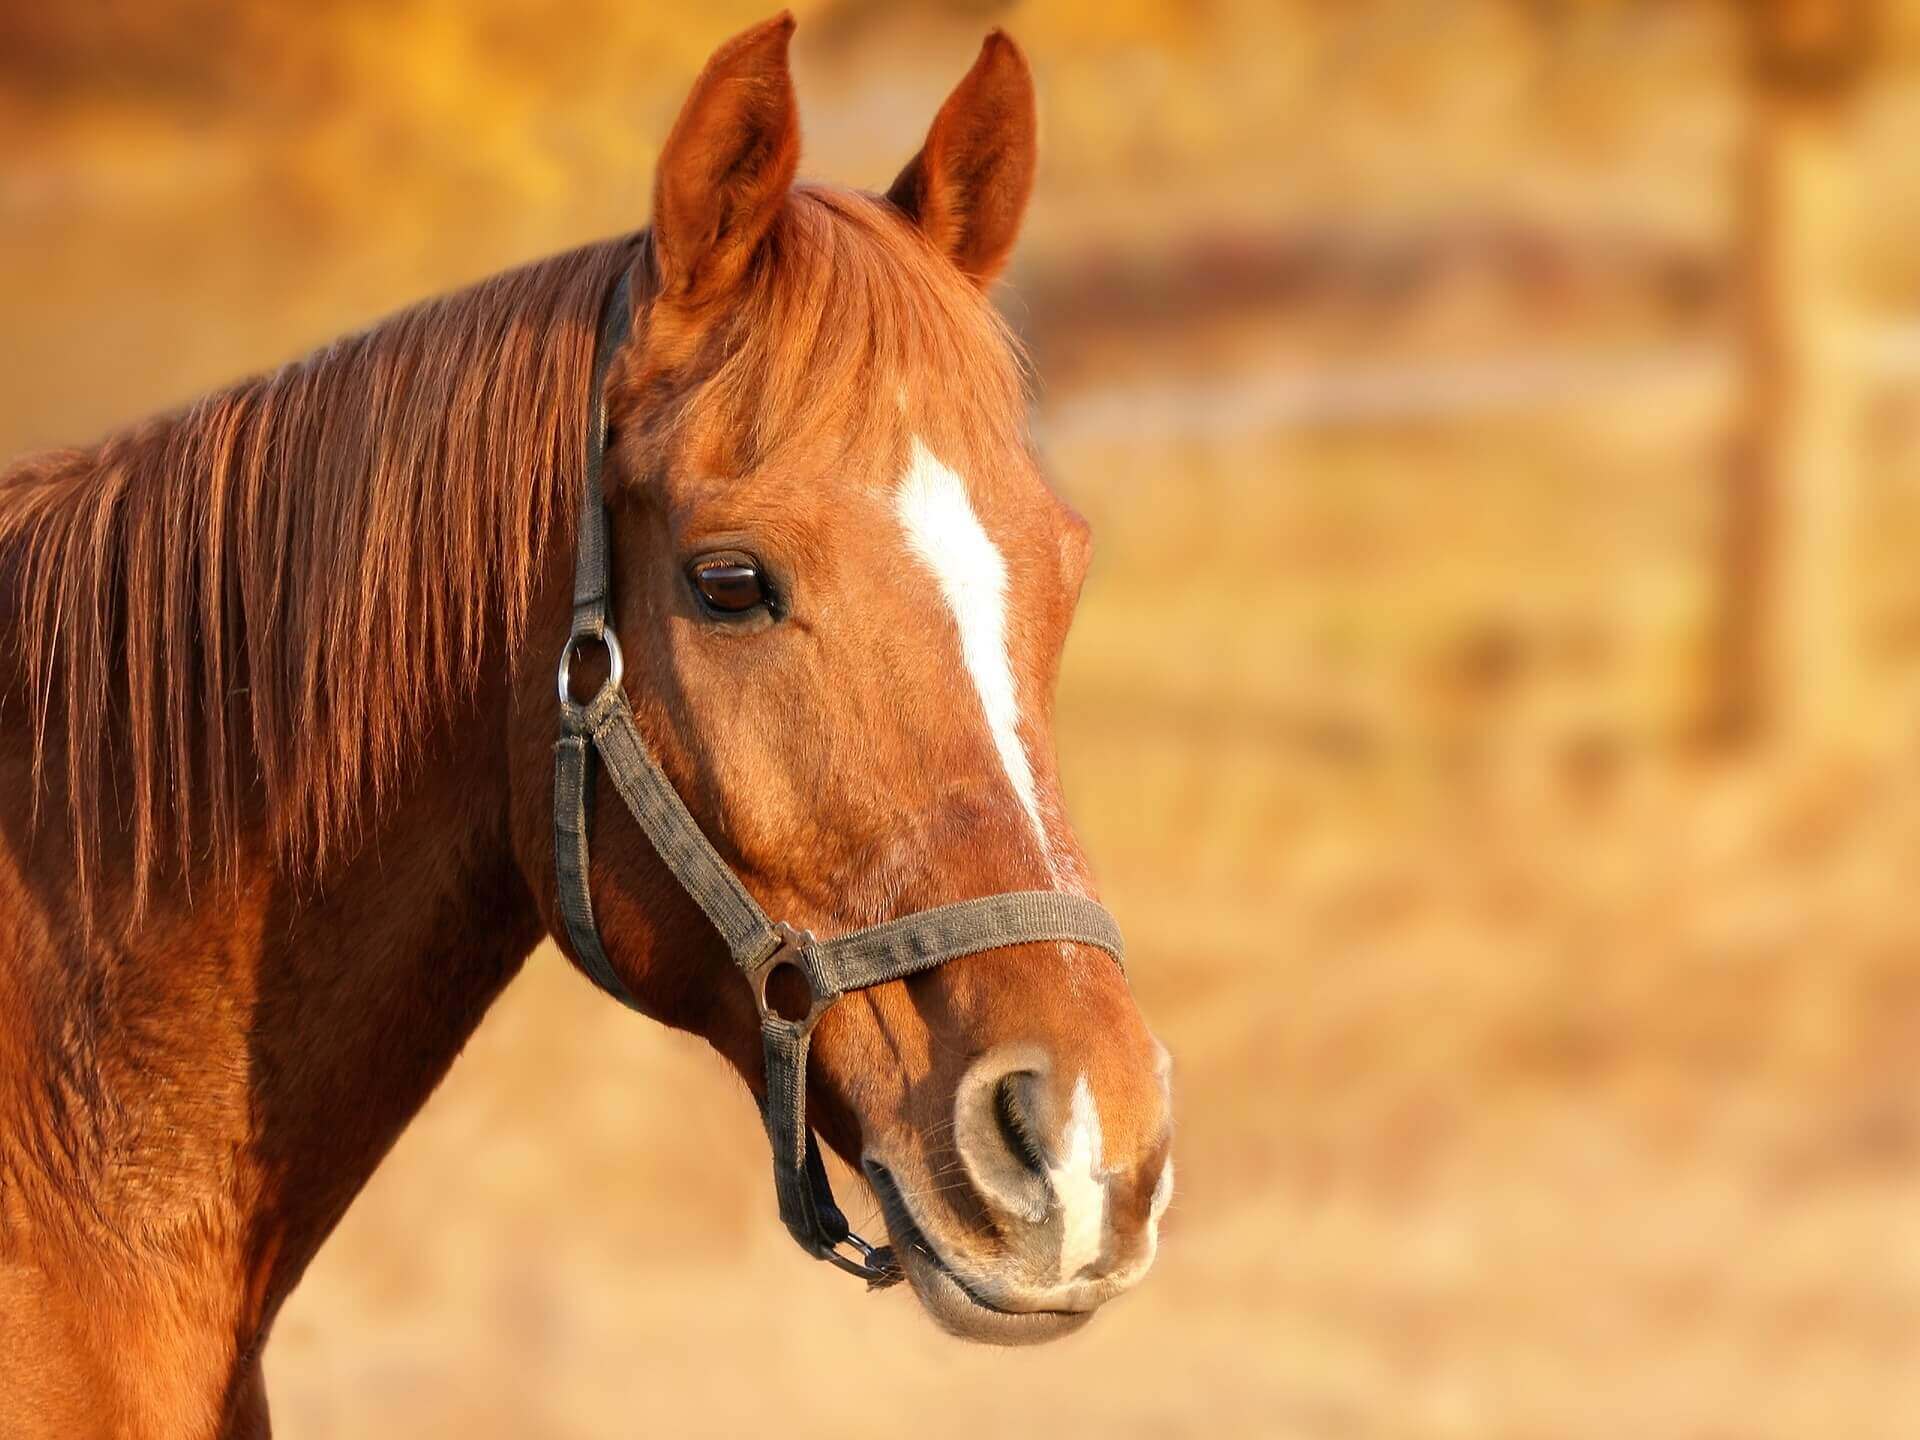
(1792, 643)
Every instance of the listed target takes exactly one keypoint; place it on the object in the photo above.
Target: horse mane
(311, 561)
(266, 599)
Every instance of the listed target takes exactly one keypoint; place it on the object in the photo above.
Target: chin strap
(604, 727)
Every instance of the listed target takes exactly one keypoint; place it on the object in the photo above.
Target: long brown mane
(264, 600)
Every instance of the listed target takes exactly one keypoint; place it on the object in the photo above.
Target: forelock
(855, 327)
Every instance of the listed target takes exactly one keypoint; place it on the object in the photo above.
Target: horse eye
(729, 583)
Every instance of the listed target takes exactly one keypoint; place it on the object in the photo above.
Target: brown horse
(277, 737)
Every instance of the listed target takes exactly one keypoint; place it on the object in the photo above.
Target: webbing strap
(604, 728)
(572, 822)
(800, 1184)
(573, 758)
(609, 724)
(928, 938)
(591, 596)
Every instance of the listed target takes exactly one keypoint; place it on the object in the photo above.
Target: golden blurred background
(1492, 713)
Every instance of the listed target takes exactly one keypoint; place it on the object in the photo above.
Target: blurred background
(1492, 713)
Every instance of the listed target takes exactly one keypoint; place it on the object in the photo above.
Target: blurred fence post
(1791, 642)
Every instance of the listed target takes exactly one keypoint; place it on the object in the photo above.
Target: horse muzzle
(1044, 1230)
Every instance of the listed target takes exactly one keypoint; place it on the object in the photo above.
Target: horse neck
(228, 1074)
(368, 992)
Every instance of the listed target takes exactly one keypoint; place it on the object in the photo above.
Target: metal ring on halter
(615, 662)
(793, 943)
(876, 1265)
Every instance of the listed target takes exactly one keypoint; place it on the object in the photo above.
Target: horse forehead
(974, 522)
(1000, 488)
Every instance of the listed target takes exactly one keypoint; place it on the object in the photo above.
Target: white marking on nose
(945, 533)
(1162, 1193)
(1079, 1186)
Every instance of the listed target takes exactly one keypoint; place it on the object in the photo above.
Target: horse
(278, 741)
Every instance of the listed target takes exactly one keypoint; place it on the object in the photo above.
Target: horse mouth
(954, 1305)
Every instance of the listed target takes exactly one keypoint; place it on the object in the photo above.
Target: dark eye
(730, 583)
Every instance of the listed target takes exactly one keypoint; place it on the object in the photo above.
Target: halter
(604, 726)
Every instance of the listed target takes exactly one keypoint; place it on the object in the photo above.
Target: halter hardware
(600, 734)
(789, 953)
(616, 663)
(877, 1265)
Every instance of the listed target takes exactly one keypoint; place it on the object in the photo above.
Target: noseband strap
(604, 727)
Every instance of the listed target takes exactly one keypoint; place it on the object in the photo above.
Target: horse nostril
(1014, 1100)
(1000, 1126)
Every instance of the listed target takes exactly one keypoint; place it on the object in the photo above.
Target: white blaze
(945, 533)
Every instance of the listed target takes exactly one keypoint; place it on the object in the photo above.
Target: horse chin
(957, 1311)
(954, 1307)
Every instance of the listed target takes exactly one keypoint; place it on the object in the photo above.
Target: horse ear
(967, 188)
(727, 165)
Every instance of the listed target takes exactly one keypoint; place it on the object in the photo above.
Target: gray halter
(605, 726)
